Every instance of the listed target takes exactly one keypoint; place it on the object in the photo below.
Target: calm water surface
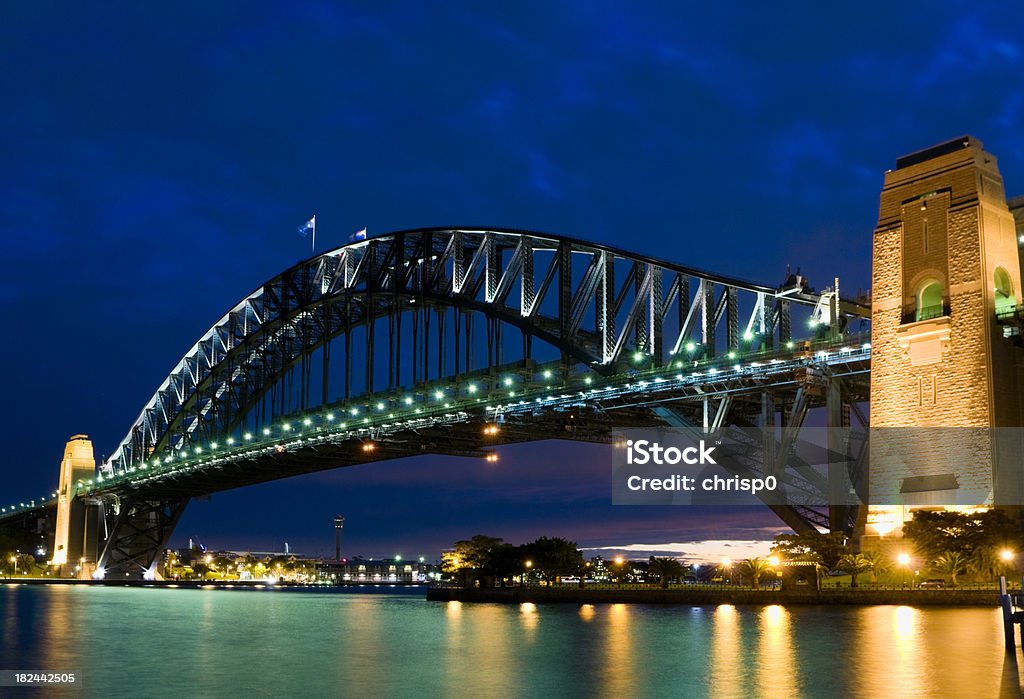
(225, 643)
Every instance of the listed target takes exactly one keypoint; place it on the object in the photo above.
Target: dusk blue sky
(154, 166)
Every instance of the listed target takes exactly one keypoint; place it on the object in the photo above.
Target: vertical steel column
(732, 317)
(785, 331)
(641, 338)
(564, 293)
(683, 307)
(326, 352)
(605, 307)
(707, 318)
(656, 316)
(370, 263)
(768, 432)
(838, 423)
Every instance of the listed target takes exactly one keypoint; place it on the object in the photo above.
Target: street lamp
(1006, 555)
(619, 562)
(14, 560)
(904, 560)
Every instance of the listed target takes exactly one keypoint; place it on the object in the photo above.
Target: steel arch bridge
(454, 340)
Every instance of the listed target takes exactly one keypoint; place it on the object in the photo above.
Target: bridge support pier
(139, 534)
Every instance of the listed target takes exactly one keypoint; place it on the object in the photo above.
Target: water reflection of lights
(775, 616)
(587, 612)
(454, 608)
(726, 646)
(904, 622)
(779, 671)
(530, 617)
(619, 680)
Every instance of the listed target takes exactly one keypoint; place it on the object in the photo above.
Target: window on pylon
(1005, 300)
(929, 301)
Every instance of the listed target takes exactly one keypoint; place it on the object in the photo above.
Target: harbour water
(223, 643)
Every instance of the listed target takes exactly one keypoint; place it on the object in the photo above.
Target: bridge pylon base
(139, 534)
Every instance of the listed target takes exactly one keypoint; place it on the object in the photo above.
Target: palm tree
(753, 568)
(854, 564)
(951, 563)
(665, 569)
(876, 563)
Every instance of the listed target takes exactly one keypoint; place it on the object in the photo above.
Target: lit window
(929, 301)
(1004, 292)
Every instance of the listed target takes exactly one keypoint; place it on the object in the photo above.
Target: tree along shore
(688, 595)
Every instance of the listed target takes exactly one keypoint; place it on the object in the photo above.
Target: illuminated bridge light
(213, 445)
(547, 374)
(789, 344)
(330, 417)
(813, 322)
(588, 380)
(307, 422)
(266, 430)
(353, 411)
(408, 400)
(471, 388)
(508, 380)
(731, 355)
(439, 395)
(691, 346)
(380, 406)
(231, 440)
(638, 356)
(286, 426)
(199, 449)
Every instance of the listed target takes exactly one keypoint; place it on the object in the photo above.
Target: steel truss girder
(286, 318)
(140, 532)
(777, 457)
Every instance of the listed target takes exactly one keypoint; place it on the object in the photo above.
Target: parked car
(933, 584)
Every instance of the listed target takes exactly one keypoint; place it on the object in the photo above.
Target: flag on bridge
(358, 235)
(308, 226)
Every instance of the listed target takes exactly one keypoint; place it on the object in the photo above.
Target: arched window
(929, 300)
(1004, 292)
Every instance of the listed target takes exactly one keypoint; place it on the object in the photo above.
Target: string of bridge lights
(366, 417)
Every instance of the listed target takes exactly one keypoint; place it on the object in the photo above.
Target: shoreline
(589, 595)
(839, 597)
(208, 584)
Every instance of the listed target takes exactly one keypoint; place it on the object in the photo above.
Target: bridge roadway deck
(587, 408)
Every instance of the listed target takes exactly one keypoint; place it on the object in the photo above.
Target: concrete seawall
(545, 595)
